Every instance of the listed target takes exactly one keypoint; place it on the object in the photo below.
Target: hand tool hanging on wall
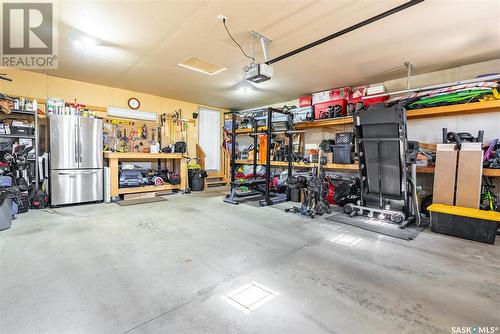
(160, 128)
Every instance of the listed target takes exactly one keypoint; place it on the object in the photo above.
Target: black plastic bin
(467, 223)
(9, 197)
(197, 179)
(342, 153)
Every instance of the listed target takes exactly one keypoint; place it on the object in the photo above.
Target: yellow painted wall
(39, 85)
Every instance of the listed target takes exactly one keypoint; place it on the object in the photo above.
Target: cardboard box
(321, 97)
(470, 171)
(444, 174)
(331, 95)
(374, 90)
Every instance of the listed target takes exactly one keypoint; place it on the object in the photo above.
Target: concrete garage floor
(164, 268)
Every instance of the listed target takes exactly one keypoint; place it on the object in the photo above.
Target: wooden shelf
(486, 171)
(133, 190)
(457, 109)
(244, 131)
(324, 123)
(352, 167)
(141, 156)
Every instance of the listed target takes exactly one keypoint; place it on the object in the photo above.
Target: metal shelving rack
(255, 130)
(34, 137)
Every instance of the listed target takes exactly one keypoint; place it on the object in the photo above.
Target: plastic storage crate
(344, 138)
(467, 223)
(342, 153)
(304, 114)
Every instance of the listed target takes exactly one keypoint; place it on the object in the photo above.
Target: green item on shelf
(446, 99)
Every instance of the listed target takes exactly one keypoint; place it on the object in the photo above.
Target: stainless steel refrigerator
(76, 162)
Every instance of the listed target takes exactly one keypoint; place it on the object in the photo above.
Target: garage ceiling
(140, 44)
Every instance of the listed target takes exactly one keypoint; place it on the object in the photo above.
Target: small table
(173, 161)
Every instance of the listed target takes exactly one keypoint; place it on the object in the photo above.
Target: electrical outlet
(222, 17)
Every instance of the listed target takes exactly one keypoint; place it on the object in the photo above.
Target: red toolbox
(330, 109)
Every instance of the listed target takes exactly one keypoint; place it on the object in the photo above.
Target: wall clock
(134, 103)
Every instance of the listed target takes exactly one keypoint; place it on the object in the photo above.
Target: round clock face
(133, 103)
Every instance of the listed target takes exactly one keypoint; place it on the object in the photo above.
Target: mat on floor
(380, 226)
(141, 201)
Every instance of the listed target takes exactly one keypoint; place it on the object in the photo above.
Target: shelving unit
(34, 137)
(254, 131)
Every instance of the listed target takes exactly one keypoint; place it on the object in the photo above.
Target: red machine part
(353, 103)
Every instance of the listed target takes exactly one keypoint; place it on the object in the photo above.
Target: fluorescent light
(134, 114)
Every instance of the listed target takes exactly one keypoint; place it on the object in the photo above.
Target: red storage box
(305, 101)
(323, 110)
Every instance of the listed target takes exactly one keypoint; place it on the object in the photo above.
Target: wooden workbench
(173, 161)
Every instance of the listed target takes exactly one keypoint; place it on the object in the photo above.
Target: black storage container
(342, 153)
(22, 130)
(467, 223)
(197, 179)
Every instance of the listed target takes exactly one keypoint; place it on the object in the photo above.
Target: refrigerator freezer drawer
(76, 186)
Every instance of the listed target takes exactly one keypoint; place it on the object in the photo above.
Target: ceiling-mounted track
(346, 30)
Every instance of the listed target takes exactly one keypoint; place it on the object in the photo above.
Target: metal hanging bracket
(264, 42)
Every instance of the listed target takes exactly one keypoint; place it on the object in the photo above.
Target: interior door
(90, 142)
(63, 142)
(209, 137)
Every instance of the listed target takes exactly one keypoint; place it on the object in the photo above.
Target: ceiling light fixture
(85, 43)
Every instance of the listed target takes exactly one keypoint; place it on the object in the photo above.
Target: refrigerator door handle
(77, 151)
(89, 173)
(80, 173)
(80, 141)
(67, 174)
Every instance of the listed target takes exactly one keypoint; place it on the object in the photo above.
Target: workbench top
(138, 155)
